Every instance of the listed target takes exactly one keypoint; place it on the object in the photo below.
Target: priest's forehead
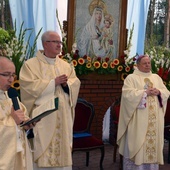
(5, 59)
(48, 35)
(139, 58)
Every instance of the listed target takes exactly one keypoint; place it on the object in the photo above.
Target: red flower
(63, 53)
(85, 56)
(98, 58)
(77, 51)
(122, 57)
(134, 58)
(160, 71)
(165, 75)
(107, 59)
(75, 56)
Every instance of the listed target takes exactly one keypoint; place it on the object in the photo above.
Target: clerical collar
(50, 60)
(136, 71)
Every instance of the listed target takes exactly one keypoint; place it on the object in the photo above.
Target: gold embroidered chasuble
(13, 156)
(140, 131)
(53, 134)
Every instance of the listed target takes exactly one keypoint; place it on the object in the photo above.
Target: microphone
(13, 94)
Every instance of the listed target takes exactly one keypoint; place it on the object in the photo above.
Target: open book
(49, 104)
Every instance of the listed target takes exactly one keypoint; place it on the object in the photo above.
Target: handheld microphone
(13, 94)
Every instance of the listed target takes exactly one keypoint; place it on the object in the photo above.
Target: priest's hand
(152, 92)
(61, 80)
(18, 116)
(29, 126)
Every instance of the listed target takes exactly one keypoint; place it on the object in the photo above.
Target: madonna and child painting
(97, 28)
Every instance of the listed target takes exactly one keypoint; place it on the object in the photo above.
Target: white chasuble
(14, 150)
(140, 131)
(53, 134)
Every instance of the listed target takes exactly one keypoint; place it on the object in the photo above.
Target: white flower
(151, 52)
(167, 63)
(74, 47)
(127, 61)
(162, 62)
(64, 35)
(126, 52)
(162, 56)
(69, 58)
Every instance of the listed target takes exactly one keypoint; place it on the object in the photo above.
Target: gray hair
(46, 35)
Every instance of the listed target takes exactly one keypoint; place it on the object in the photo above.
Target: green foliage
(18, 49)
(4, 37)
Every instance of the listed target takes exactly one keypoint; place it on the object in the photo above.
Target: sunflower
(96, 64)
(105, 65)
(74, 63)
(112, 65)
(127, 69)
(81, 61)
(16, 85)
(88, 65)
(120, 68)
(123, 76)
(116, 62)
(88, 58)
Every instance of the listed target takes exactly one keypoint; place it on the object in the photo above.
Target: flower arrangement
(160, 61)
(16, 49)
(86, 64)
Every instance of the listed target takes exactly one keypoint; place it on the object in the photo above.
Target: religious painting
(97, 27)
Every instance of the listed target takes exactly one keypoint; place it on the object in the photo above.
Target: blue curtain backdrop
(36, 14)
(137, 14)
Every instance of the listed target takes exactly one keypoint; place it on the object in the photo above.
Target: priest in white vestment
(15, 153)
(141, 122)
(42, 79)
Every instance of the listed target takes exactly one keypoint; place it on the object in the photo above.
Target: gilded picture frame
(79, 13)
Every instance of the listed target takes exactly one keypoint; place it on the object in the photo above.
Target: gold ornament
(97, 4)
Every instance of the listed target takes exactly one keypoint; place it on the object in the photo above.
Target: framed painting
(98, 27)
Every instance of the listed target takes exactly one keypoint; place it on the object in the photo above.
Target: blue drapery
(36, 14)
(137, 14)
